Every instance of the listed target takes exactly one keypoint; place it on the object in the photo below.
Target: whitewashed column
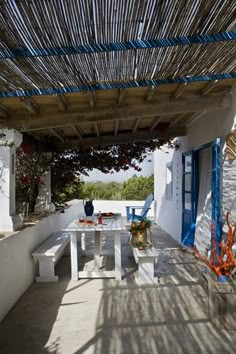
(9, 221)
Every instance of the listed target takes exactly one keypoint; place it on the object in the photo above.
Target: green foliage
(138, 188)
(66, 168)
(101, 190)
(69, 192)
(140, 226)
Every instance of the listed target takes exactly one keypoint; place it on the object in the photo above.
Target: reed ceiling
(81, 73)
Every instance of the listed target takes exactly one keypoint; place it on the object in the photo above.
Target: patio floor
(111, 317)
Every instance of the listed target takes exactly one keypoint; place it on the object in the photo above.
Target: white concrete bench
(145, 260)
(48, 255)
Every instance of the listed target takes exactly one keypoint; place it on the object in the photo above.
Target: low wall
(17, 268)
(118, 206)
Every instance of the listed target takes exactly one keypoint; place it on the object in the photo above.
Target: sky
(147, 170)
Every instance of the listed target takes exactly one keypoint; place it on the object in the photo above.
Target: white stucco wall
(17, 268)
(118, 206)
(168, 211)
(206, 129)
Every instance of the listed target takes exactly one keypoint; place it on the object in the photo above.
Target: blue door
(190, 189)
(188, 199)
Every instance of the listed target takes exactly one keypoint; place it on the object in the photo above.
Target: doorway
(201, 196)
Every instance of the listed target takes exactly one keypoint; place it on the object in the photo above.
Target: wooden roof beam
(29, 104)
(97, 128)
(151, 92)
(124, 138)
(61, 102)
(92, 99)
(116, 127)
(195, 117)
(154, 123)
(77, 132)
(124, 112)
(180, 90)
(53, 132)
(136, 124)
(121, 96)
(3, 111)
(176, 120)
(209, 87)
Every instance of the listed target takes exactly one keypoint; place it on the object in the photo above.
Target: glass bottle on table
(99, 218)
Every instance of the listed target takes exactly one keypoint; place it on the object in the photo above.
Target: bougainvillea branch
(69, 165)
(107, 159)
(30, 167)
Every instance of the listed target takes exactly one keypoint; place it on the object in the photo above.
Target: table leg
(117, 245)
(74, 255)
(97, 251)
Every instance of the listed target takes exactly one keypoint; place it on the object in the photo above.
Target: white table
(115, 226)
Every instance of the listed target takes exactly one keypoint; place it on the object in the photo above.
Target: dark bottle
(88, 208)
(99, 218)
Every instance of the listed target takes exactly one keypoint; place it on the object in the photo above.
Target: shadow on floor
(112, 317)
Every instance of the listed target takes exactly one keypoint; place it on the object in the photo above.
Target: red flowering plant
(138, 230)
(30, 167)
(67, 166)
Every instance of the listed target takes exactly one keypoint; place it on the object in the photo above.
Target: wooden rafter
(154, 123)
(194, 118)
(121, 96)
(29, 104)
(53, 132)
(123, 138)
(176, 120)
(92, 99)
(116, 127)
(61, 102)
(77, 131)
(209, 87)
(3, 111)
(180, 90)
(136, 124)
(111, 113)
(97, 128)
(151, 92)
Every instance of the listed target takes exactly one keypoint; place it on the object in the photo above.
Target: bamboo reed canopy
(84, 73)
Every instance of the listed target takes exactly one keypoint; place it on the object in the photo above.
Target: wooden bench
(145, 260)
(48, 255)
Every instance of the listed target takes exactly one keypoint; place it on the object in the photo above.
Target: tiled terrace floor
(111, 317)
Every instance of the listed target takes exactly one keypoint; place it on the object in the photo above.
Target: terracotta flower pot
(139, 239)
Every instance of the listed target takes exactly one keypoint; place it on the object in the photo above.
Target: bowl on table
(108, 215)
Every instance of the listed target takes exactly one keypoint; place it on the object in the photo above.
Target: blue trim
(117, 46)
(188, 225)
(215, 189)
(115, 85)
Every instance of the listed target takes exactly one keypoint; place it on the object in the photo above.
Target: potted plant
(138, 230)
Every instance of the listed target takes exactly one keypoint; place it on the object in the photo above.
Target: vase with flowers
(138, 231)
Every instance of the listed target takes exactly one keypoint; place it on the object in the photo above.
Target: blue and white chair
(131, 210)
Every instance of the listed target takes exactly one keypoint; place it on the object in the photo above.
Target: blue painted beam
(114, 85)
(117, 46)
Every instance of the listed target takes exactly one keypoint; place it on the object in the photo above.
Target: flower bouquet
(138, 230)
